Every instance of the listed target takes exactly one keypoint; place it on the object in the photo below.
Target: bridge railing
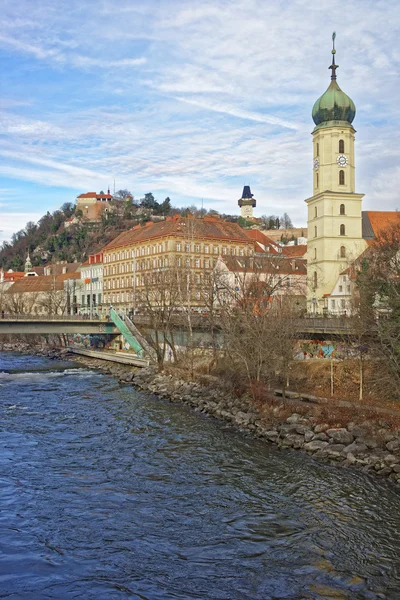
(32, 317)
(305, 324)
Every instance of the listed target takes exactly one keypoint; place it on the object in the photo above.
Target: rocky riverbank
(351, 444)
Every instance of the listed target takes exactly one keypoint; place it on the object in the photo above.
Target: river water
(107, 492)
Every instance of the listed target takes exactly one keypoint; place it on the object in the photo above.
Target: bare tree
(378, 286)
(258, 319)
(53, 301)
(158, 300)
(19, 303)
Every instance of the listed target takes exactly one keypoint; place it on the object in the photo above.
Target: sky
(189, 99)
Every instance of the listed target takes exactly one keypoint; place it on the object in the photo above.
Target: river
(111, 493)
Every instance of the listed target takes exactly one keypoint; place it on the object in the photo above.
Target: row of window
(342, 230)
(96, 285)
(341, 148)
(179, 247)
(342, 303)
(140, 280)
(91, 273)
(342, 210)
(341, 178)
(343, 280)
(91, 300)
(127, 298)
(158, 263)
(342, 252)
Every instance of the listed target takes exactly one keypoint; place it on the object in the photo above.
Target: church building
(335, 209)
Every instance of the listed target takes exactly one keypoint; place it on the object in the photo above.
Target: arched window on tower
(315, 212)
(341, 177)
(342, 209)
(317, 149)
(342, 230)
(341, 146)
(315, 281)
(316, 180)
(342, 252)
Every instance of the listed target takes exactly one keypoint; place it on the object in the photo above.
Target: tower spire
(333, 65)
(28, 263)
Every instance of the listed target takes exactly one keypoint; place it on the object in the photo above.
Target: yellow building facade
(182, 244)
(335, 209)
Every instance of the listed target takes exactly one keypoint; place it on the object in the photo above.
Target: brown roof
(266, 264)
(375, 221)
(294, 250)
(44, 283)
(13, 276)
(259, 237)
(94, 195)
(58, 268)
(181, 227)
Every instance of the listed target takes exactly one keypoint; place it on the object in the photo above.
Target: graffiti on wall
(86, 340)
(320, 349)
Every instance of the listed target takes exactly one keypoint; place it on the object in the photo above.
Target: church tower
(28, 264)
(334, 210)
(247, 203)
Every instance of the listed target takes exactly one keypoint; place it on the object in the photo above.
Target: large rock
(393, 446)
(340, 436)
(271, 435)
(293, 440)
(390, 459)
(370, 442)
(355, 449)
(302, 429)
(334, 450)
(321, 427)
(358, 431)
(321, 436)
(308, 436)
(315, 445)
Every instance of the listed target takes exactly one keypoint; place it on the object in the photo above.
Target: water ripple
(108, 493)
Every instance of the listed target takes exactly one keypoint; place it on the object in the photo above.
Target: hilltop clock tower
(247, 202)
(334, 210)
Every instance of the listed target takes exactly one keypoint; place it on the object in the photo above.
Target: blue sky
(189, 99)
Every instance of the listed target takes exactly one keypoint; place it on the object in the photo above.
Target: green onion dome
(333, 105)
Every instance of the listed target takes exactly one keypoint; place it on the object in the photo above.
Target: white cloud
(10, 222)
(195, 100)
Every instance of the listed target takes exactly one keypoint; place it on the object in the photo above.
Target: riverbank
(288, 424)
(362, 440)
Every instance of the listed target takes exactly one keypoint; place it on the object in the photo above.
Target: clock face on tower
(316, 163)
(342, 160)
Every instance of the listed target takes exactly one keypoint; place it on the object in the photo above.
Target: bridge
(327, 326)
(37, 325)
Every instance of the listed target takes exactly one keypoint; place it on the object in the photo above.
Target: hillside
(50, 240)
(53, 238)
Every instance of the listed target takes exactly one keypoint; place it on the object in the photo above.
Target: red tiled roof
(380, 220)
(94, 195)
(182, 227)
(294, 250)
(42, 283)
(262, 239)
(13, 276)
